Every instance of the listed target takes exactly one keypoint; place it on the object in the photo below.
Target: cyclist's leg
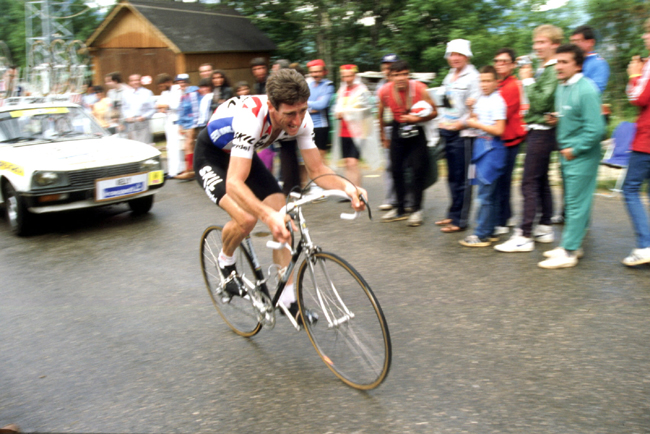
(238, 228)
(282, 257)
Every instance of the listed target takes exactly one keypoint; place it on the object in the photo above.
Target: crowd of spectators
(481, 118)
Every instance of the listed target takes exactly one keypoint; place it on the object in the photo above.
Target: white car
(54, 157)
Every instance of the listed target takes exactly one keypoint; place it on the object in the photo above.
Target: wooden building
(150, 37)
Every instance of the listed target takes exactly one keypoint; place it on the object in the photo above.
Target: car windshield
(49, 124)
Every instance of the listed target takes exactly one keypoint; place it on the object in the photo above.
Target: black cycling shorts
(211, 167)
(349, 149)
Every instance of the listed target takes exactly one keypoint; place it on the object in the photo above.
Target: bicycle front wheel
(238, 312)
(351, 335)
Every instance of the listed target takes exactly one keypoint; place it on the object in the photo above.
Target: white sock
(225, 260)
(288, 295)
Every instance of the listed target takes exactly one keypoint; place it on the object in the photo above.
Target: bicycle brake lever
(365, 202)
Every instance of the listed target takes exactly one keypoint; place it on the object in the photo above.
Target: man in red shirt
(638, 171)
(407, 143)
(510, 90)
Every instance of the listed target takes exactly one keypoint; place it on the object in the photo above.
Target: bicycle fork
(329, 313)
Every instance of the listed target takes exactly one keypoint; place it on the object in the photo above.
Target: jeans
(488, 211)
(535, 186)
(412, 150)
(638, 171)
(458, 152)
(504, 186)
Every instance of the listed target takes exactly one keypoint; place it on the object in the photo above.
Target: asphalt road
(106, 327)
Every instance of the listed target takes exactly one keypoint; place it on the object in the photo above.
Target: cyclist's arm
(316, 169)
(236, 188)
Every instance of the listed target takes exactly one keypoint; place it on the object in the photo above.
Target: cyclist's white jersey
(242, 125)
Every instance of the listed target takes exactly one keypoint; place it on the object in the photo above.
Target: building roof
(196, 28)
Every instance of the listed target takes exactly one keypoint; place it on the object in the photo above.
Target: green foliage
(417, 30)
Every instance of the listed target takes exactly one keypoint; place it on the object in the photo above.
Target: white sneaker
(561, 260)
(516, 243)
(501, 230)
(543, 234)
(385, 207)
(638, 257)
(415, 219)
(393, 216)
(559, 251)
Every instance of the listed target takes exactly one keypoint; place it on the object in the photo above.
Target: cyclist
(235, 178)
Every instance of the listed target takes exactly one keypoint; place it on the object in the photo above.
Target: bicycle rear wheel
(238, 312)
(351, 335)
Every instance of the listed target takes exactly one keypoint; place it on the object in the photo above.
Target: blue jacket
(188, 110)
(319, 99)
(597, 70)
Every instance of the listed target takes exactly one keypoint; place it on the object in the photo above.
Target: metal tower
(46, 21)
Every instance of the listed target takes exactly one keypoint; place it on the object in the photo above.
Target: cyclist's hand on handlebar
(277, 225)
(354, 193)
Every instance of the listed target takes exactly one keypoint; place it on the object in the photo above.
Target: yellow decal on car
(156, 177)
(39, 111)
(11, 168)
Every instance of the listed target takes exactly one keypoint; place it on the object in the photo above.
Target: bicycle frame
(305, 243)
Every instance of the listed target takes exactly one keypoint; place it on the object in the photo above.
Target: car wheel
(16, 212)
(141, 205)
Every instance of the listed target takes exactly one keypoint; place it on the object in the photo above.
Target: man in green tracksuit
(580, 127)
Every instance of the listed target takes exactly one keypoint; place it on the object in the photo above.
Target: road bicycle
(340, 313)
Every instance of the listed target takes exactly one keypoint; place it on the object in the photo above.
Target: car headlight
(150, 164)
(48, 179)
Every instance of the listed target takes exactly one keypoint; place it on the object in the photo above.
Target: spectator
(138, 107)
(489, 156)
(352, 109)
(205, 71)
(408, 142)
(187, 121)
(595, 67)
(116, 89)
(205, 99)
(242, 88)
(321, 90)
(460, 84)
(390, 198)
(638, 170)
(101, 110)
(541, 142)
(168, 103)
(280, 64)
(580, 128)
(297, 67)
(221, 90)
(9, 84)
(514, 134)
(88, 98)
(260, 72)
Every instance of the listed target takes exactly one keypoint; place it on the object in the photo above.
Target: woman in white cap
(461, 83)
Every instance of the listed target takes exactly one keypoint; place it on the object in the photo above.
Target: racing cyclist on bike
(235, 178)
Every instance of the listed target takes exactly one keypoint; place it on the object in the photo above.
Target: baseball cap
(182, 77)
(390, 58)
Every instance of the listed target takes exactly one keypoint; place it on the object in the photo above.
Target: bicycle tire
(239, 314)
(357, 350)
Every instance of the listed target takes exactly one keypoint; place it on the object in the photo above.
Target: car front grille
(86, 178)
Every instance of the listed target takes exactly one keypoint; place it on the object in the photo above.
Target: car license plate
(120, 186)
